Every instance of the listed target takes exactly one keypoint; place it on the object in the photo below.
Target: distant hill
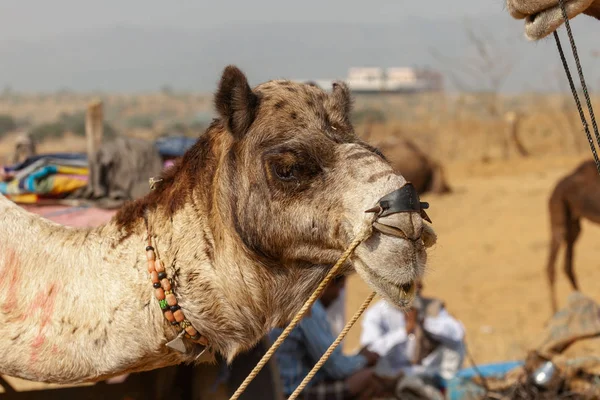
(130, 58)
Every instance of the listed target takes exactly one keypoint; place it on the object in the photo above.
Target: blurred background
(455, 82)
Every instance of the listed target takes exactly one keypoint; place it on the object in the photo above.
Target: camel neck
(78, 295)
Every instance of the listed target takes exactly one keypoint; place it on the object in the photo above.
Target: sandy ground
(489, 262)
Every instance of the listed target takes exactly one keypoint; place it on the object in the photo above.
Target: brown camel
(575, 196)
(407, 159)
(426, 174)
(245, 226)
(542, 17)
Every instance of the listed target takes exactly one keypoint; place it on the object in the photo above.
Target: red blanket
(73, 216)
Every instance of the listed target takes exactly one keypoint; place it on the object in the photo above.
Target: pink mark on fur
(10, 277)
(36, 346)
(45, 303)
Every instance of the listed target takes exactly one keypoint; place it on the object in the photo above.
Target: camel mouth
(401, 294)
(396, 232)
(394, 256)
(543, 22)
(530, 19)
(407, 291)
(389, 230)
(540, 17)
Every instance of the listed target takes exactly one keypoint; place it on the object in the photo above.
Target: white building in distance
(391, 80)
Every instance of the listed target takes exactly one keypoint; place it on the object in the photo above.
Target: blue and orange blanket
(56, 175)
(44, 176)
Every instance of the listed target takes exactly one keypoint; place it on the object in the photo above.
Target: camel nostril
(401, 213)
(390, 230)
(403, 225)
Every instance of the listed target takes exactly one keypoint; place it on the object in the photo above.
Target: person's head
(417, 303)
(333, 290)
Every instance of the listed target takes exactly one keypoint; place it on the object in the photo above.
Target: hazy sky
(20, 19)
(135, 45)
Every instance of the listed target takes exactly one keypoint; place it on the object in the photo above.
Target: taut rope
(360, 237)
(583, 85)
(331, 348)
(368, 229)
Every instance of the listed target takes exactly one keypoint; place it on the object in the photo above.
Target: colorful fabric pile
(46, 176)
(122, 167)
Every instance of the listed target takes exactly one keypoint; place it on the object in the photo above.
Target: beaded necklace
(163, 291)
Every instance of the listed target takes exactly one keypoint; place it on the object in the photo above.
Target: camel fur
(542, 17)
(247, 224)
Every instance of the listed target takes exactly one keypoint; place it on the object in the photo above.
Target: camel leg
(556, 240)
(573, 231)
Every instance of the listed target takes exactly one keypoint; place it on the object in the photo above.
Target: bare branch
(488, 64)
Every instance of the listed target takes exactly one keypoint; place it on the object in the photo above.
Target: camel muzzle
(403, 200)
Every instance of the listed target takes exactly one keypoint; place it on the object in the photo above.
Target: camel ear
(342, 100)
(235, 101)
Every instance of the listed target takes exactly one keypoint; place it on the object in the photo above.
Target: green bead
(163, 304)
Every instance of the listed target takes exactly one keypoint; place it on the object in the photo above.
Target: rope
(331, 348)
(362, 235)
(583, 86)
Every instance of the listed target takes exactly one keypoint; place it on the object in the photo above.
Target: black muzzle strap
(405, 199)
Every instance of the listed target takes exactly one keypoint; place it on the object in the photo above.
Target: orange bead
(159, 294)
(169, 316)
(171, 299)
(150, 256)
(191, 331)
(154, 277)
(179, 315)
(151, 266)
(166, 284)
(159, 266)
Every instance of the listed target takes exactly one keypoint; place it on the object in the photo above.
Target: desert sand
(489, 262)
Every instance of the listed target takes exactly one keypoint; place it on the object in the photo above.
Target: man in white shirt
(425, 340)
(336, 313)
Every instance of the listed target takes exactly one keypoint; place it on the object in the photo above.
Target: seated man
(425, 340)
(341, 377)
(336, 313)
(24, 148)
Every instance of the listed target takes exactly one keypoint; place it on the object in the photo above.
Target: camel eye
(285, 172)
(291, 168)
